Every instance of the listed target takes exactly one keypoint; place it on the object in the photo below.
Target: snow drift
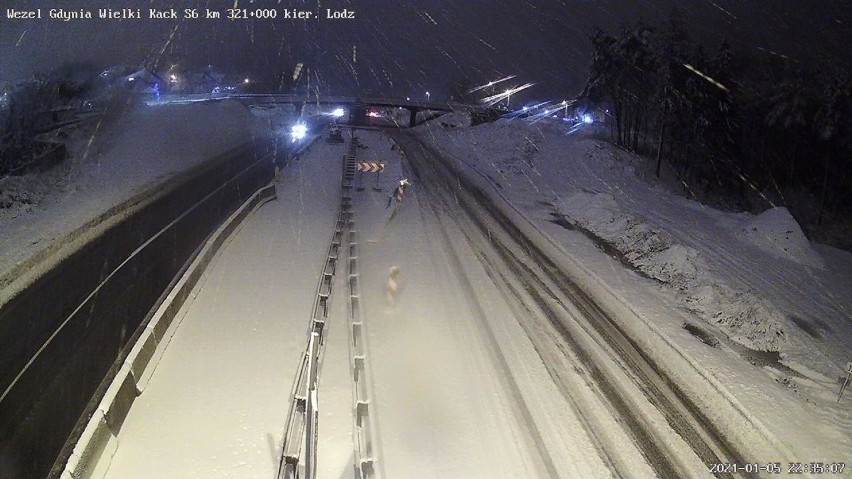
(742, 315)
(775, 231)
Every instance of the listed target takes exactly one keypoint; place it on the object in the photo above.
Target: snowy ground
(127, 152)
(458, 389)
(746, 297)
(216, 404)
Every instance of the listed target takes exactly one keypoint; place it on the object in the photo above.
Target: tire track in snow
(681, 414)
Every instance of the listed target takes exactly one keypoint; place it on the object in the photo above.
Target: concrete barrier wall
(61, 334)
(92, 454)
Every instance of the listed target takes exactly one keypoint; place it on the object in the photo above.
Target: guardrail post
(312, 361)
(312, 413)
(311, 437)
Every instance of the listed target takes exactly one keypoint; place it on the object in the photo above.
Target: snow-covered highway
(485, 365)
(216, 403)
(510, 349)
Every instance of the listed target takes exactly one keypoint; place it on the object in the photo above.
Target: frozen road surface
(487, 362)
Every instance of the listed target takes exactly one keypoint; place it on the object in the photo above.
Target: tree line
(729, 123)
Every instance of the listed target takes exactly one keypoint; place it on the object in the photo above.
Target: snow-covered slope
(762, 264)
(123, 154)
(749, 286)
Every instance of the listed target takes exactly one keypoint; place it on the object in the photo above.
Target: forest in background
(758, 128)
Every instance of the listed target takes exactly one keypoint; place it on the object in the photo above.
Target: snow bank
(454, 120)
(703, 265)
(756, 263)
(776, 232)
(744, 316)
(20, 195)
(649, 249)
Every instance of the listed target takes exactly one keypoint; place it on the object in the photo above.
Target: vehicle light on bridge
(298, 131)
(338, 112)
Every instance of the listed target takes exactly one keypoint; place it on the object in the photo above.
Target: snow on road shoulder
(440, 406)
(743, 316)
(762, 294)
(755, 277)
(109, 163)
(216, 405)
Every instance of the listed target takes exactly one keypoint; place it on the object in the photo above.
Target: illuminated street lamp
(427, 96)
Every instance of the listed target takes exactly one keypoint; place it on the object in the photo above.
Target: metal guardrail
(301, 425)
(365, 454)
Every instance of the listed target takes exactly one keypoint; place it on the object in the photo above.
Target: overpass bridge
(357, 106)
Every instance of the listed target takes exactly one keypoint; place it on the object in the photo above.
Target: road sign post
(370, 167)
(376, 188)
(845, 381)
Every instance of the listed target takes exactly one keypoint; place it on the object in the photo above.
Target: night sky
(404, 48)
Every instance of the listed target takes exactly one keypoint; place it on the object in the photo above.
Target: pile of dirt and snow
(743, 315)
(22, 194)
(776, 232)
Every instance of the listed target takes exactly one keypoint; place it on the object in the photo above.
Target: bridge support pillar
(412, 119)
(358, 114)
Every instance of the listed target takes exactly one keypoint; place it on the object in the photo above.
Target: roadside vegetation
(751, 130)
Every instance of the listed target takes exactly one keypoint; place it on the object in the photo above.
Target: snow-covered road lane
(571, 333)
(441, 406)
(216, 403)
(481, 366)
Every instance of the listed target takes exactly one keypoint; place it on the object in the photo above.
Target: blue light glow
(298, 131)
